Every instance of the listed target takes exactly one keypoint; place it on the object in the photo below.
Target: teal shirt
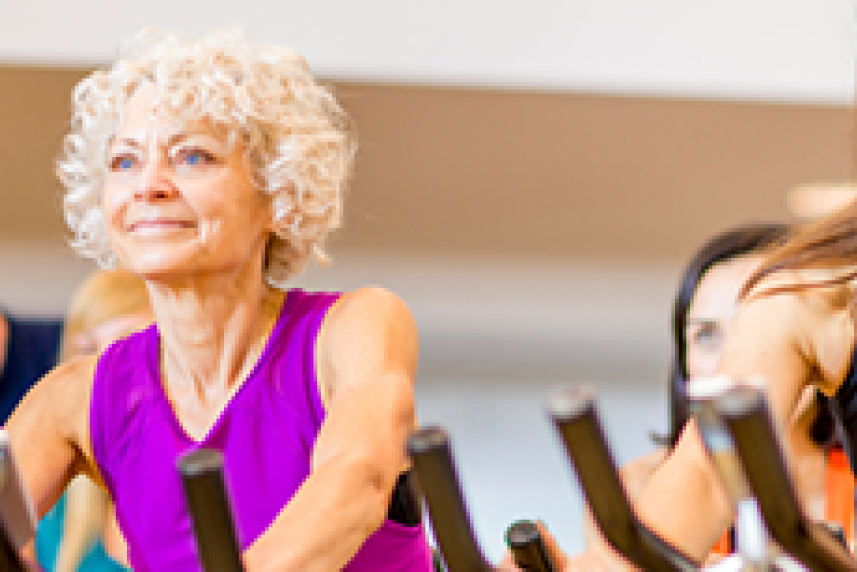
(48, 539)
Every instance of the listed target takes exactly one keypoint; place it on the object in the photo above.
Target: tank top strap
(120, 387)
(724, 546)
(314, 309)
(839, 492)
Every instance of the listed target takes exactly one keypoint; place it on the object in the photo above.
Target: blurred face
(178, 198)
(96, 339)
(711, 311)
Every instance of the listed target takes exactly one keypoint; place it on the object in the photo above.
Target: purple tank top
(266, 434)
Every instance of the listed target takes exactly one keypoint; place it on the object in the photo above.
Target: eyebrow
(698, 321)
(171, 140)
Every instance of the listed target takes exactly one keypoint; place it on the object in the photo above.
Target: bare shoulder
(372, 304)
(48, 431)
(372, 314)
(57, 399)
(368, 331)
(795, 309)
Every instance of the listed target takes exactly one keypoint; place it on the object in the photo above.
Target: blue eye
(708, 336)
(195, 157)
(123, 163)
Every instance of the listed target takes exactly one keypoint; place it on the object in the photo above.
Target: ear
(271, 222)
(280, 217)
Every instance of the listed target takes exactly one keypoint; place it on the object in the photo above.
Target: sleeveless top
(839, 483)
(839, 489)
(266, 433)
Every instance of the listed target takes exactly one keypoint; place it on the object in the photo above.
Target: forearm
(71, 551)
(84, 521)
(366, 357)
(74, 543)
(685, 502)
(326, 522)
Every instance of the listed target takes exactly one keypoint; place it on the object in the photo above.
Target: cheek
(113, 204)
(230, 212)
(700, 361)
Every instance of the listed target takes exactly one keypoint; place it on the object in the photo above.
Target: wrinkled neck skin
(212, 328)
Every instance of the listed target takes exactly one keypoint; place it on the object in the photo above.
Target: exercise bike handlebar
(747, 417)
(574, 414)
(437, 479)
(528, 547)
(17, 522)
(202, 475)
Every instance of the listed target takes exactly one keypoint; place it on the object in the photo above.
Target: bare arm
(782, 338)
(367, 356)
(635, 475)
(48, 432)
(779, 338)
(86, 511)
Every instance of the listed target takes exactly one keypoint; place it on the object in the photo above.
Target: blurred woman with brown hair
(796, 329)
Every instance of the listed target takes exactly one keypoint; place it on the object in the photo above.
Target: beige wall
(514, 224)
(496, 173)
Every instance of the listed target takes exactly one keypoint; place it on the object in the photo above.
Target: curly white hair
(298, 138)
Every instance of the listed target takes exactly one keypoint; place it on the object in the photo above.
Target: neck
(212, 330)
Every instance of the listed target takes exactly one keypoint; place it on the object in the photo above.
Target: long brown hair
(827, 243)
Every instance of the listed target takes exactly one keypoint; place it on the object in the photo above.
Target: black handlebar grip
(202, 475)
(437, 479)
(9, 559)
(746, 415)
(17, 525)
(575, 417)
(528, 547)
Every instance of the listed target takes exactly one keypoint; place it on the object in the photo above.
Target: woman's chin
(160, 270)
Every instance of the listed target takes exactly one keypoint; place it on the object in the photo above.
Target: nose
(155, 183)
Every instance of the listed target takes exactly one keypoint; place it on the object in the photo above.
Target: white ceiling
(781, 50)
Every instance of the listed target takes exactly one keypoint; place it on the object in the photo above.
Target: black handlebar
(16, 521)
(437, 478)
(575, 417)
(528, 547)
(201, 473)
(9, 559)
(748, 419)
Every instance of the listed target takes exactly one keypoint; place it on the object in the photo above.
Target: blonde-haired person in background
(214, 170)
(80, 533)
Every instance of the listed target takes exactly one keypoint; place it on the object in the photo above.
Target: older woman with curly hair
(214, 170)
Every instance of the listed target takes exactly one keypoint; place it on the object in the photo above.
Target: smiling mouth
(158, 226)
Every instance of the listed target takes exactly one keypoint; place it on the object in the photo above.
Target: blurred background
(532, 177)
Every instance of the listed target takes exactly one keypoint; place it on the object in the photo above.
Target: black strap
(843, 405)
(405, 506)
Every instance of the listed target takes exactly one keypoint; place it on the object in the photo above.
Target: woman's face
(711, 311)
(178, 199)
(95, 339)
